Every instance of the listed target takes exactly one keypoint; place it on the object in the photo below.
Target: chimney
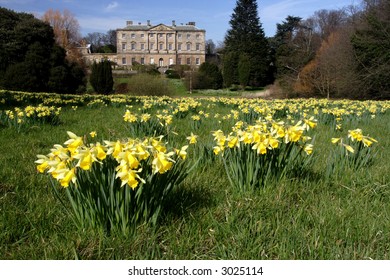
(192, 23)
(148, 22)
(129, 22)
(173, 23)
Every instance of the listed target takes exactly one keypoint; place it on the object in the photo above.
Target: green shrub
(101, 77)
(150, 85)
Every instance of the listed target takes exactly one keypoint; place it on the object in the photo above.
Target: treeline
(335, 53)
(31, 60)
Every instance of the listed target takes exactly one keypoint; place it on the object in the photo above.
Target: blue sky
(211, 15)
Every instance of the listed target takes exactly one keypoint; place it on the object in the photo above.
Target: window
(179, 46)
(151, 35)
(170, 46)
(132, 35)
(171, 61)
(132, 60)
(170, 35)
(161, 47)
(142, 35)
(179, 36)
(188, 46)
(152, 60)
(197, 36)
(179, 61)
(124, 60)
(142, 46)
(188, 36)
(123, 35)
(133, 46)
(188, 60)
(123, 46)
(198, 47)
(197, 61)
(161, 35)
(142, 60)
(152, 46)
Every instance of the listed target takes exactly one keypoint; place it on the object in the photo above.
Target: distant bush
(207, 77)
(122, 88)
(101, 77)
(150, 85)
(172, 74)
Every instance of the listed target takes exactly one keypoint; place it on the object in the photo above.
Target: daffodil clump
(254, 153)
(354, 152)
(147, 124)
(30, 115)
(115, 185)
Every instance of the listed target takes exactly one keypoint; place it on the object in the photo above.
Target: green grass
(307, 218)
(179, 89)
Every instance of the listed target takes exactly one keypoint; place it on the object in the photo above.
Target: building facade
(161, 45)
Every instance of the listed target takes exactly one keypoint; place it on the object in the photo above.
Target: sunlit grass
(308, 217)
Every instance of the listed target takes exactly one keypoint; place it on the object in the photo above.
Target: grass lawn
(307, 217)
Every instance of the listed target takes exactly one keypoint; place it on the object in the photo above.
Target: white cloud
(112, 6)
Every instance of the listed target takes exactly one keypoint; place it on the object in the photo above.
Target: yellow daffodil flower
(192, 138)
(69, 176)
(162, 162)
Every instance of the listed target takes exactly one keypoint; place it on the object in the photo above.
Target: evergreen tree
(101, 77)
(371, 43)
(244, 70)
(29, 58)
(246, 36)
(230, 65)
(209, 76)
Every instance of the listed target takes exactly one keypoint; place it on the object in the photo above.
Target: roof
(145, 27)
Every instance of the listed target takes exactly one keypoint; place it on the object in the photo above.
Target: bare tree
(65, 25)
(332, 73)
(66, 32)
(328, 21)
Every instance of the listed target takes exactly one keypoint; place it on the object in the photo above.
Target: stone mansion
(161, 45)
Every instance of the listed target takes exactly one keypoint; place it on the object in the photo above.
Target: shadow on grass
(186, 200)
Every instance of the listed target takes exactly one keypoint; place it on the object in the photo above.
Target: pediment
(161, 27)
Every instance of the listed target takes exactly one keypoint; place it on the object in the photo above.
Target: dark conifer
(246, 37)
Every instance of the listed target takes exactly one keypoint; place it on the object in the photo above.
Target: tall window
(170, 46)
(188, 60)
(152, 60)
(161, 47)
(152, 46)
(188, 36)
(188, 46)
(133, 45)
(123, 46)
(179, 46)
(197, 60)
(142, 60)
(142, 46)
(142, 35)
(132, 60)
(179, 36)
(124, 60)
(198, 47)
(123, 35)
(179, 61)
